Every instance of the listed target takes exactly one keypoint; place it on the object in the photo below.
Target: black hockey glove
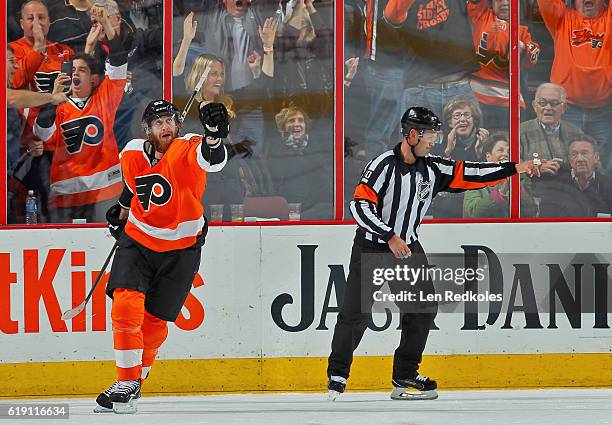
(114, 223)
(215, 120)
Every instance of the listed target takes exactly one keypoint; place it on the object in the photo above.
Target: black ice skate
(124, 396)
(418, 387)
(336, 386)
(103, 403)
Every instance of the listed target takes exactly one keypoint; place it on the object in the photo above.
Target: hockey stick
(195, 92)
(69, 314)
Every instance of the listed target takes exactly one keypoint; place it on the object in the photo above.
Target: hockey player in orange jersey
(160, 226)
(85, 173)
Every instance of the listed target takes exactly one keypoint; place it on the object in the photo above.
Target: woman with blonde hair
(249, 120)
(212, 90)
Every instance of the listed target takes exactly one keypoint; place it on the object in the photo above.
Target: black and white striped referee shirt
(392, 197)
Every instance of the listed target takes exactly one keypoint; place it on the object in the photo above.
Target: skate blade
(413, 394)
(125, 408)
(102, 409)
(333, 395)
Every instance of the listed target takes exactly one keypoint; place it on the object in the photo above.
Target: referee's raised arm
(459, 176)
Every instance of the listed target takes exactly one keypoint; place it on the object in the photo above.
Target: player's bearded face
(163, 131)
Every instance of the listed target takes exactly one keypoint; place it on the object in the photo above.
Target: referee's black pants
(352, 321)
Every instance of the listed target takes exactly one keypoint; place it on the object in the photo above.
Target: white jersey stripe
(184, 229)
(81, 184)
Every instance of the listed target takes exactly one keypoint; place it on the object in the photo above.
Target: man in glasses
(581, 31)
(548, 135)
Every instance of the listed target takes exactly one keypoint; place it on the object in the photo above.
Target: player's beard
(162, 143)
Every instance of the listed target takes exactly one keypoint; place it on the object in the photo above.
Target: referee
(391, 199)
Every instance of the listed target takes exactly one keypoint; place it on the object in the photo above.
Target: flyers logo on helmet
(153, 189)
(88, 130)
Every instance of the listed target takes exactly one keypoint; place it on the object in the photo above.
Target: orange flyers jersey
(583, 53)
(37, 72)
(85, 167)
(491, 83)
(166, 211)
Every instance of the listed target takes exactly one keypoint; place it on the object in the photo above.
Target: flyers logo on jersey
(153, 189)
(487, 57)
(44, 81)
(88, 130)
(585, 35)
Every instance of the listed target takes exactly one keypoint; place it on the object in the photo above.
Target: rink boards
(261, 313)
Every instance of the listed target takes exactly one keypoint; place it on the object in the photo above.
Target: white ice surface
(532, 407)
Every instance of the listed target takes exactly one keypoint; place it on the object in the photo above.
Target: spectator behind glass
(548, 135)
(143, 46)
(38, 59)
(463, 134)
(583, 191)
(300, 163)
(583, 66)
(38, 64)
(379, 87)
(491, 84)
(17, 163)
(85, 172)
(304, 59)
(439, 51)
(247, 92)
(495, 201)
(70, 22)
(462, 141)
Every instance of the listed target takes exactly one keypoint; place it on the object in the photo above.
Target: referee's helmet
(421, 119)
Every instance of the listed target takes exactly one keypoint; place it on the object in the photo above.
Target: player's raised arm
(215, 119)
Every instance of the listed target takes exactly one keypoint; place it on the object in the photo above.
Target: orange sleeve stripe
(396, 11)
(459, 183)
(363, 191)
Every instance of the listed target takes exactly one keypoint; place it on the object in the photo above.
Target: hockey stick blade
(195, 92)
(69, 314)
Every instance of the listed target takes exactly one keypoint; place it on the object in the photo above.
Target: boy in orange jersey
(158, 254)
(582, 64)
(491, 83)
(85, 173)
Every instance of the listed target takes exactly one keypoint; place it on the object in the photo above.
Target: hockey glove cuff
(114, 223)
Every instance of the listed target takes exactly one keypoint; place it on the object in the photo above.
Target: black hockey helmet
(157, 109)
(420, 118)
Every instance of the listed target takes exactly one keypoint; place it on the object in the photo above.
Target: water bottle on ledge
(31, 208)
